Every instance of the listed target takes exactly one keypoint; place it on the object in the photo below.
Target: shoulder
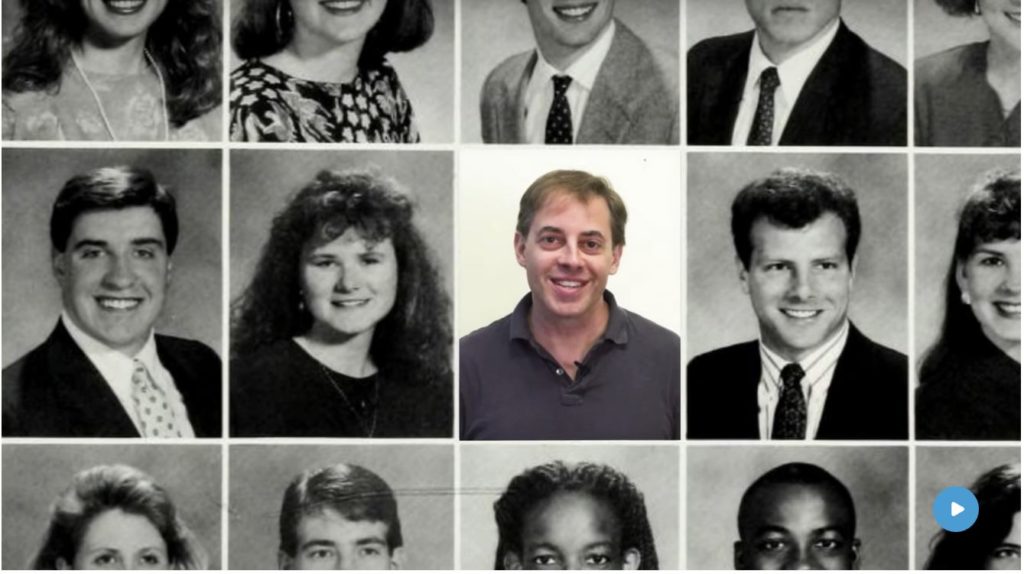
(486, 339)
(855, 52)
(268, 360)
(509, 72)
(945, 66)
(714, 50)
(867, 355)
(649, 64)
(729, 357)
(648, 332)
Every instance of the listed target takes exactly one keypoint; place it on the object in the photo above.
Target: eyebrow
(312, 543)
(142, 241)
(553, 229)
(371, 540)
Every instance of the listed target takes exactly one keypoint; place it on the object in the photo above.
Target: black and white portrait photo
(112, 293)
(602, 72)
(102, 507)
(795, 508)
(341, 280)
(345, 507)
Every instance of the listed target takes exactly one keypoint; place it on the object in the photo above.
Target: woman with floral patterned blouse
(316, 70)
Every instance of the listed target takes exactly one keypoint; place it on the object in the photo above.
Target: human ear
(961, 280)
(397, 559)
(59, 265)
(616, 256)
(284, 561)
(511, 561)
(855, 552)
(744, 275)
(631, 559)
(737, 555)
(520, 246)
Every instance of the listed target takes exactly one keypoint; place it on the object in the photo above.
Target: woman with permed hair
(969, 95)
(130, 70)
(117, 517)
(970, 378)
(317, 70)
(344, 329)
(581, 516)
(993, 542)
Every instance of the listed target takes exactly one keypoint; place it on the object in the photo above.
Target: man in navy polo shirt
(569, 363)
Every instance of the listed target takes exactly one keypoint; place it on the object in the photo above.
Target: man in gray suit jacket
(591, 80)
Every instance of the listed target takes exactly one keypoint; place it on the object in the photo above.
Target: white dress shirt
(819, 367)
(116, 369)
(540, 91)
(793, 74)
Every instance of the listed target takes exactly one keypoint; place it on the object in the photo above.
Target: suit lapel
(812, 115)
(750, 377)
(606, 117)
(724, 103)
(512, 109)
(86, 402)
(838, 419)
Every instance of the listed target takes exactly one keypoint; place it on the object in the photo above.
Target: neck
(125, 58)
(561, 56)
(568, 339)
(779, 52)
(348, 355)
(319, 61)
(1003, 56)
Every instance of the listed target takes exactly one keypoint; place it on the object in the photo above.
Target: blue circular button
(955, 509)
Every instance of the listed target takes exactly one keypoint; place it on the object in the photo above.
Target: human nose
(803, 559)
(1011, 284)
(119, 273)
(348, 279)
(800, 287)
(569, 255)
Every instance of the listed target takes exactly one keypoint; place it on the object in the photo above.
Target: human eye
(544, 560)
(145, 253)
(828, 543)
(371, 259)
(775, 267)
(598, 559)
(106, 560)
(152, 559)
(90, 253)
(592, 245)
(1004, 552)
(991, 261)
(828, 265)
(321, 262)
(770, 545)
(320, 553)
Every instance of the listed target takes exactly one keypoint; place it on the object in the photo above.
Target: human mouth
(1014, 17)
(118, 303)
(568, 285)
(575, 12)
(801, 314)
(1008, 309)
(343, 7)
(124, 7)
(350, 303)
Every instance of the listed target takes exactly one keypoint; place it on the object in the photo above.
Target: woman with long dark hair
(344, 329)
(970, 378)
(139, 70)
(317, 70)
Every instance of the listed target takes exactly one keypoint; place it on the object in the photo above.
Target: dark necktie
(764, 118)
(559, 127)
(791, 412)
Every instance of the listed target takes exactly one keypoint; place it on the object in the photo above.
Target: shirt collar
(97, 351)
(617, 330)
(584, 70)
(814, 364)
(793, 73)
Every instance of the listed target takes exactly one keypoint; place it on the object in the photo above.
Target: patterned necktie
(559, 127)
(764, 119)
(151, 405)
(791, 412)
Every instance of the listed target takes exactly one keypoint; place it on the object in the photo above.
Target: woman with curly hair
(316, 70)
(970, 378)
(969, 95)
(117, 517)
(116, 70)
(993, 542)
(344, 329)
(583, 516)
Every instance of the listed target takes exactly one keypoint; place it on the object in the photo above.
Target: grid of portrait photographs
(511, 284)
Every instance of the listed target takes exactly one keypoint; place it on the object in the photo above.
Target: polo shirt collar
(617, 330)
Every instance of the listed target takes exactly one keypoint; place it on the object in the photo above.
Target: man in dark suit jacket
(853, 95)
(633, 98)
(103, 372)
(812, 374)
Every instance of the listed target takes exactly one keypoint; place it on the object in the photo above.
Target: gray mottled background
(717, 477)
(934, 30)
(421, 476)
(32, 179)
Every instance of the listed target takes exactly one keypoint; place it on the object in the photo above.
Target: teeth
(350, 303)
(1009, 308)
(343, 4)
(799, 314)
(125, 4)
(569, 284)
(575, 11)
(1015, 16)
(118, 304)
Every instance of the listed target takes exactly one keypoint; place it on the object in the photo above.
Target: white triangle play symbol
(955, 509)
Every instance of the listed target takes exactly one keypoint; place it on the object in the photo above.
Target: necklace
(368, 429)
(103, 111)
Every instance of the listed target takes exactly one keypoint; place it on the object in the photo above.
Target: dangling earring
(965, 297)
(302, 301)
(977, 8)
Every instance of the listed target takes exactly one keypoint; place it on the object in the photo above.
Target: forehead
(329, 525)
(352, 240)
(116, 528)
(112, 224)
(568, 212)
(1004, 246)
(825, 236)
(570, 515)
(797, 508)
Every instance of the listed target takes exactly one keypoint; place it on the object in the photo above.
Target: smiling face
(1003, 20)
(349, 284)
(335, 22)
(572, 531)
(566, 27)
(329, 541)
(116, 540)
(112, 22)
(799, 283)
(990, 279)
(797, 527)
(113, 275)
(786, 25)
(1006, 556)
(568, 256)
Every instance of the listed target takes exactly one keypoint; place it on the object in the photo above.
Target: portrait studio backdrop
(31, 296)
(34, 475)
(487, 470)
(939, 467)
(719, 313)
(717, 476)
(421, 476)
(942, 182)
(934, 30)
(485, 21)
(491, 182)
(427, 74)
(881, 23)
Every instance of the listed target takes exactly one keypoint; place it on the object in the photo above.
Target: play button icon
(955, 509)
